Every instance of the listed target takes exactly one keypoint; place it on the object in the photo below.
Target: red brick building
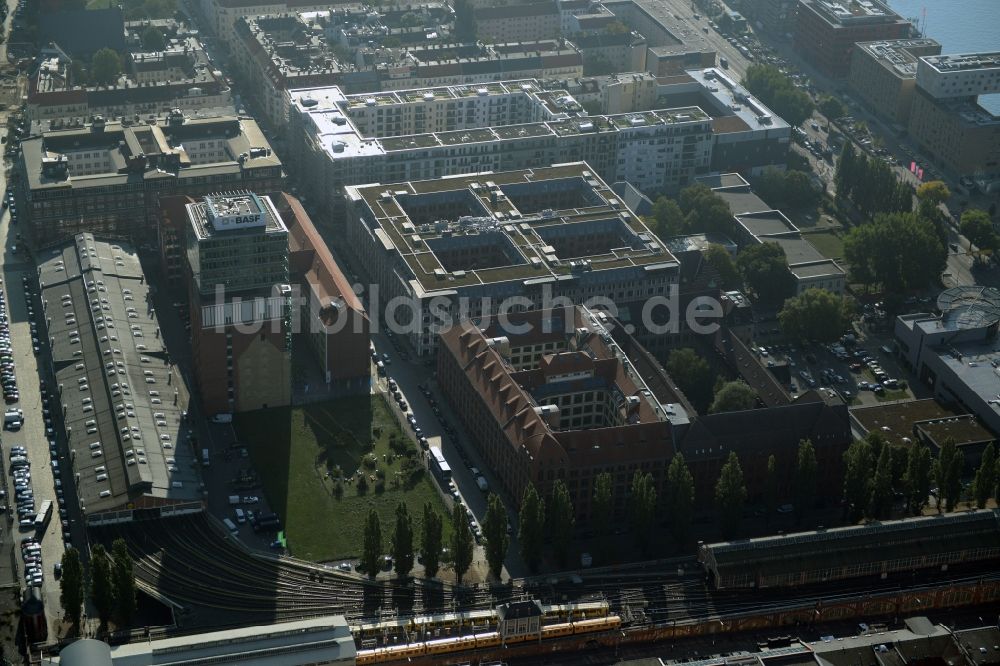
(826, 31)
(586, 398)
(332, 323)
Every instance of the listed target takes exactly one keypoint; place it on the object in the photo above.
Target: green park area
(828, 243)
(324, 466)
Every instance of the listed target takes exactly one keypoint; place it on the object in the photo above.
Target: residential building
(179, 77)
(240, 301)
(456, 247)
(947, 120)
(584, 16)
(827, 30)
(221, 15)
(332, 324)
(365, 31)
(476, 63)
(319, 641)
(122, 403)
(107, 176)
(274, 53)
(884, 74)
(954, 352)
(518, 22)
(616, 52)
(418, 134)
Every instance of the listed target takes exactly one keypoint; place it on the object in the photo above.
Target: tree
(934, 192)
(430, 541)
(858, 460)
(71, 585)
(985, 476)
(402, 542)
(102, 590)
(495, 531)
(917, 478)
(782, 188)
(845, 176)
(371, 556)
(704, 211)
(777, 91)
(642, 508)
(902, 251)
(465, 21)
(730, 496)
(461, 542)
(719, 258)
(561, 521)
(668, 218)
(693, 375)
(804, 482)
(977, 226)
(765, 271)
(679, 498)
(531, 530)
(124, 580)
(948, 475)
(815, 314)
(152, 39)
(831, 107)
(880, 501)
(602, 507)
(105, 67)
(734, 396)
(771, 488)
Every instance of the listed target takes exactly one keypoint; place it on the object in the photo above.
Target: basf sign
(232, 212)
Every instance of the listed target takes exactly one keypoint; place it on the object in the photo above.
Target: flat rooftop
(852, 12)
(222, 215)
(899, 55)
(897, 422)
(180, 147)
(318, 640)
(767, 225)
(960, 62)
(736, 100)
(327, 111)
(537, 225)
(130, 445)
(977, 367)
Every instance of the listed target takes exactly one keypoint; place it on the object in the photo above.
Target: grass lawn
(293, 449)
(829, 243)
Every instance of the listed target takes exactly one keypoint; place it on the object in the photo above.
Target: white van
(231, 526)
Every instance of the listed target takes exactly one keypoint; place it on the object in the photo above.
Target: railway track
(191, 564)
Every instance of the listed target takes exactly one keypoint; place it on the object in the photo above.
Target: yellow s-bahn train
(457, 632)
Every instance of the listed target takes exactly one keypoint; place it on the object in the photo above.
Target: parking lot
(33, 459)
(861, 372)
